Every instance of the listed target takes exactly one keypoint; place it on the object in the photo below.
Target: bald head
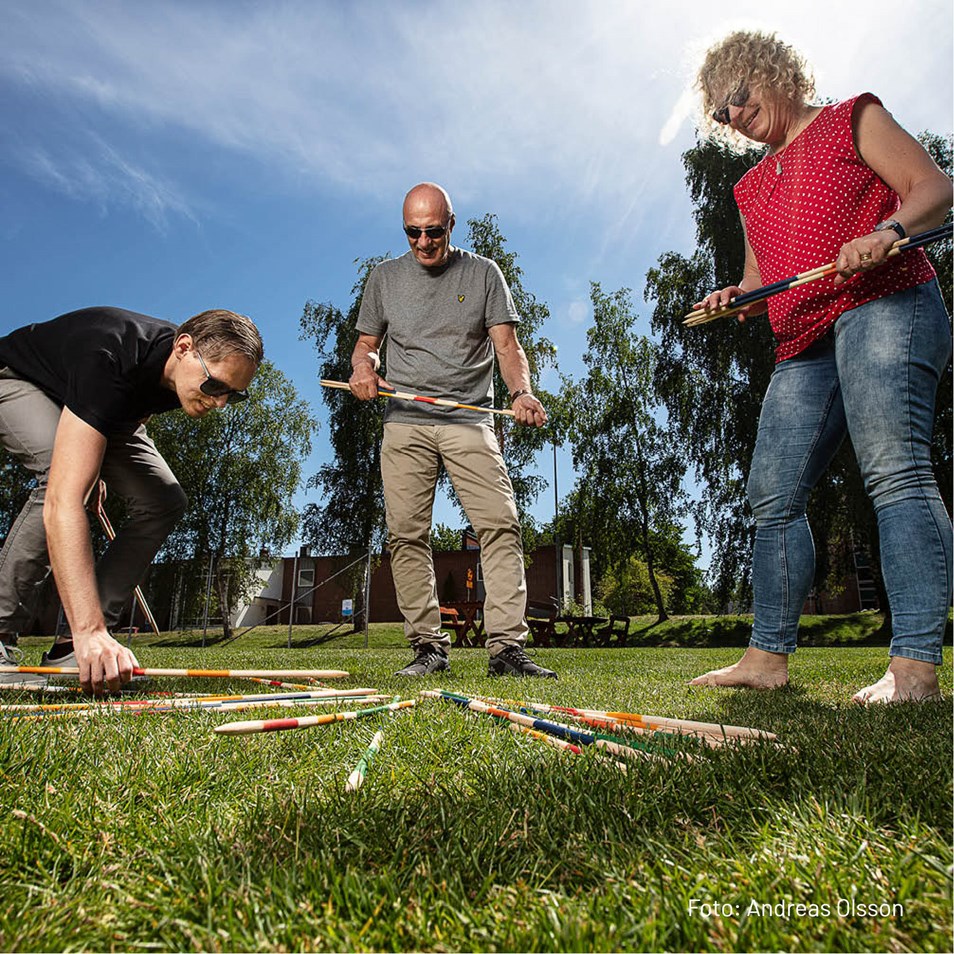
(427, 208)
(430, 194)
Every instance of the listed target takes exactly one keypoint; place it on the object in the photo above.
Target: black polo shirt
(104, 364)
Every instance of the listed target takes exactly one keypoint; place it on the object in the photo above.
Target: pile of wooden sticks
(616, 737)
(613, 735)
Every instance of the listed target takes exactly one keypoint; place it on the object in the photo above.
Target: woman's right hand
(720, 299)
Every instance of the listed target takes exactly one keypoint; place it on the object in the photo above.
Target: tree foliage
(350, 517)
(520, 445)
(240, 468)
(630, 471)
(711, 380)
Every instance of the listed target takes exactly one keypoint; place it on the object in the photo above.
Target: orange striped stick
(281, 725)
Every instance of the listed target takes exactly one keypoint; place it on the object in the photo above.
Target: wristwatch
(891, 224)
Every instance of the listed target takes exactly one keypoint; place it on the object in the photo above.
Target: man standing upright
(447, 313)
(75, 393)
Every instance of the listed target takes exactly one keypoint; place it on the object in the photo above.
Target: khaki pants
(132, 468)
(410, 459)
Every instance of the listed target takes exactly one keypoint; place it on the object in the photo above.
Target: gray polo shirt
(436, 322)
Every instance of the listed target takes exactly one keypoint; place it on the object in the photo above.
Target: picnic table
(541, 620)
(467, 620)
(580, 629)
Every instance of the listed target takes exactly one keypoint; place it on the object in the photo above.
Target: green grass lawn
(152, 833)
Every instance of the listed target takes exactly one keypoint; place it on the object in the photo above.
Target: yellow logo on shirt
(460, 298)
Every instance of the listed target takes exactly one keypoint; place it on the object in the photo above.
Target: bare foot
(757, 669)
(907, 680)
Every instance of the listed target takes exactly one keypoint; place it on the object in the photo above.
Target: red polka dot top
(800, 206)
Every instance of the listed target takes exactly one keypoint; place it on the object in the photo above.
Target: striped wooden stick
(701, 316)
(423, 399)
(281, 725)
(551, 728)
(328, 695)
(356, 778)
(200, 673)
(282, 685)
(712, 728)
(198, 706)
(563, 744)
(601, 720)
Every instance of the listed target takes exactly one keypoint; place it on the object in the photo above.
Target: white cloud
(101, 176)
(578, 311)
(547, 97)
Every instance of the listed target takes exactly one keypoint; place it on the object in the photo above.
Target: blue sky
(174, 156)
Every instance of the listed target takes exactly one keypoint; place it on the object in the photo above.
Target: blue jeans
(875, 379)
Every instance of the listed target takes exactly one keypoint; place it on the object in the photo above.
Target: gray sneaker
(513, 661)
(11, 679)
(67, 662)
(427, 661)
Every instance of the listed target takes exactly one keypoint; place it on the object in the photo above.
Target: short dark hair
(219, 333)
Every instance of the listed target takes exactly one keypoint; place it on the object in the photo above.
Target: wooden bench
(614, 632)
(541, 618)
(466, 620)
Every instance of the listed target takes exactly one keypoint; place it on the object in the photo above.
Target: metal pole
(557, 549)
(294, 597)
(367, 596)
(208, 594)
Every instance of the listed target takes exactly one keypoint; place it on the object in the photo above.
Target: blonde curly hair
(756, 60)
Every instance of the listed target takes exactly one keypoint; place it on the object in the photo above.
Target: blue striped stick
(542, 725)
(703, 315)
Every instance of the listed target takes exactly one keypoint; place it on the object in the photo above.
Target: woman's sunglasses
(738, 99)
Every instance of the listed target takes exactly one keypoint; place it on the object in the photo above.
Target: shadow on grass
(191, 640)
(718, 632)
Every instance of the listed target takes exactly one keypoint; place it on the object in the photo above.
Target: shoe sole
(522, 675)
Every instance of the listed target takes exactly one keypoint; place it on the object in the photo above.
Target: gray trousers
(132, 469)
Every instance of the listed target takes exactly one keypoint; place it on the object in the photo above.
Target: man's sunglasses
(213, 387)
(738, 99)
(434, 232)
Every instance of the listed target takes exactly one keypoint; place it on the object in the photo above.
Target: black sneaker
(426, 661)
(513, 661)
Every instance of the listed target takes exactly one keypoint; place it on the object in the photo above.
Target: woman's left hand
(864, 253)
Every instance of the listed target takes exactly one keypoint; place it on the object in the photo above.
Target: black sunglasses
(433, 232)
(213, 387)
(738, 99)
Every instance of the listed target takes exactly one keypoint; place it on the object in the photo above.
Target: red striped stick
(201, 673)
(331, 695)
(563, 744)
(423, 399)
(280, 725)
(282, 685)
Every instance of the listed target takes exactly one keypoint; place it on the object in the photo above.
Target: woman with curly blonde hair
(859, 353)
